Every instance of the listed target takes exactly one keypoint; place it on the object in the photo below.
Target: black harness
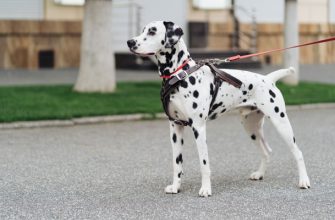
(174, 82)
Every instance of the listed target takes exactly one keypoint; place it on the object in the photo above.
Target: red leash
(239, 57)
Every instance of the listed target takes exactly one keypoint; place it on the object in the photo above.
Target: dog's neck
(169, 59)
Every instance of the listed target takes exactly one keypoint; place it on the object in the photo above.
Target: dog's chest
(193, 98)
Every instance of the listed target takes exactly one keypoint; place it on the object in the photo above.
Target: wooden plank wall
(21, 41)
(270, 36)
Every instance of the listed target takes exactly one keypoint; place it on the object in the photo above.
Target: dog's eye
(151, 33)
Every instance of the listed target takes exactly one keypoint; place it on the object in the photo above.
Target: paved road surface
(119, 171)
(315, 73)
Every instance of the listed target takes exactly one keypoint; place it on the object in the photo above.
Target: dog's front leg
(176, 136)
(200, 138)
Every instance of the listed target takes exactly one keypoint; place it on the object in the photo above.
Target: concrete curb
(122, 118)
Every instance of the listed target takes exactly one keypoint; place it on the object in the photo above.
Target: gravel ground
(120, 170)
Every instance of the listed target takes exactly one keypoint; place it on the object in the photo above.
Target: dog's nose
(131, 43)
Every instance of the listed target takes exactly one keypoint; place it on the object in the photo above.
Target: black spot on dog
(174, 138)
(250, 87)
(200, 115)
(145, 39)
(186, 67)
(276, 109)
(178, 32)
(195, 94)
(215, 106)
(244, 100)
(244, 92)
(195, 132)
(204, 162)
(182, 141)
(169, 34)
(190, 121)
(211, 91)
(183, 84)
(293, 139)
(194, 105)
(282, 114)
(223, 110)
(180, 55)
(192, 80)
(179, 174)
(271, 100)
(272, 93)
(162, 42)
(179, 159)
(253, 137)
(212, 117)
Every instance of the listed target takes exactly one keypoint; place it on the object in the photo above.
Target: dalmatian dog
(256, 99)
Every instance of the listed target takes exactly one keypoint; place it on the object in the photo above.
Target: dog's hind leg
(253, 124)
(176, 136)
(277, 113)
(284, 128)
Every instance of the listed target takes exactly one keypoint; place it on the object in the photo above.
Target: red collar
(179, 68)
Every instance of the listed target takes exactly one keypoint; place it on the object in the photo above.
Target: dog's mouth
(142, 54)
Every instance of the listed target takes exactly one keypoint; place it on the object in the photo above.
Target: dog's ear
(173, 33)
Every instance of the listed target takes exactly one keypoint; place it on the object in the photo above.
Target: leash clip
(227, 60)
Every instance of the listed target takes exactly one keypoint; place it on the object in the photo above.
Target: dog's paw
(172, 189)
(256, 175)
(205, 191)
(304, 183)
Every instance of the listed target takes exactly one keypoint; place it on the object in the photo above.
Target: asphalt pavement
(314, 73)
(120, 170)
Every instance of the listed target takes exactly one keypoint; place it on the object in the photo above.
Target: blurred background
(38, 34)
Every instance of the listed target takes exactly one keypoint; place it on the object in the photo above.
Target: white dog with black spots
(257, 98)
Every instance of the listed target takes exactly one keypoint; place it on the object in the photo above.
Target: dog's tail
(276, 75)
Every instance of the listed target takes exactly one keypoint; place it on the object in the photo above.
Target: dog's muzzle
(131, 43)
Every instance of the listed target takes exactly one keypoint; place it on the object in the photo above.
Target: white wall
(272, 11)
(332, 11)
(21, 9)
(266, 11)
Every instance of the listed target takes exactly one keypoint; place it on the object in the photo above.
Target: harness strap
(174, 81)
(224, 76)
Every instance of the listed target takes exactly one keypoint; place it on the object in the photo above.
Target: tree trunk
(291, 35)
(97, 69)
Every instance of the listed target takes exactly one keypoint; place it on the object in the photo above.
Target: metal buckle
(227, 60)
(177, 77)
(181, 75)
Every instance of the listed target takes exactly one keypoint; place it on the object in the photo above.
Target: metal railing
(126, 22)
(247, 39)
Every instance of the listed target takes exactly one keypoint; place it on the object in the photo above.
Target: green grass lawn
(27, 103)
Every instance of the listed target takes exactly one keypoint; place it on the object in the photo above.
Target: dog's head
(156, 36)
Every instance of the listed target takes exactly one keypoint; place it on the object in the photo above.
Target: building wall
(53, 11)
(22, 40)
(309, 11)
(270, 36)
(21, 9)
